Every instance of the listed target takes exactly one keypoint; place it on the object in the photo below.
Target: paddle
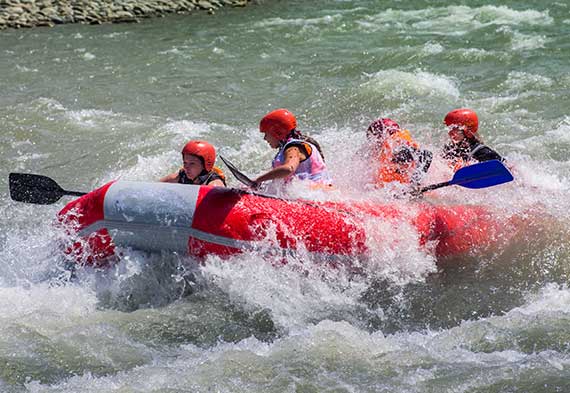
(480, 175)
(38, 189)
(238, 175)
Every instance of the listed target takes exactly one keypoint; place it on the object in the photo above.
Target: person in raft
(299, 156)
(198, 159)
(465, 147)
(399, 157)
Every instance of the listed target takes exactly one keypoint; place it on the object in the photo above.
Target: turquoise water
(87, 104)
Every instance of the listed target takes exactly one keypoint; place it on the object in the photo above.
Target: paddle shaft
(73, 193)
(435, 186)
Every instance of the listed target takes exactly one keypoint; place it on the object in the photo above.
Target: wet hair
(297, 135)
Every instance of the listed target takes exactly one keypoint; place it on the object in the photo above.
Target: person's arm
(172, 178)
(485, 153)
(293, 158)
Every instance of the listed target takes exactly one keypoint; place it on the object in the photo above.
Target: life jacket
(312, 168)
(397, 158)
(204, 178)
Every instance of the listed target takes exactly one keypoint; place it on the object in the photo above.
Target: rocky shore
(31, 13)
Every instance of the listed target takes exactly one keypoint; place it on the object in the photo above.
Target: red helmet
(203, 150)
(379, 127)
(463, 118)
(278, 123)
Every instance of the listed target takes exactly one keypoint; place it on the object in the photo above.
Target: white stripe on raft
(167, 204)
(151, 237)
(155, 216)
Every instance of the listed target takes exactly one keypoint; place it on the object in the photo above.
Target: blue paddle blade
(481, 175)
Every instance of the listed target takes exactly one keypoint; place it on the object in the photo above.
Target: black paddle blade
(38, 189)
(238, 175)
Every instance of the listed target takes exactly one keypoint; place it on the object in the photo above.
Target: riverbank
(32, 13)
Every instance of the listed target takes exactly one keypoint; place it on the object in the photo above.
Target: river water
(88, 104)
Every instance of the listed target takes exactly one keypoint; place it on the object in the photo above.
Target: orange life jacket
(220, 173)
(391, 169)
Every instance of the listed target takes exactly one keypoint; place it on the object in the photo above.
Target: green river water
(88, 104)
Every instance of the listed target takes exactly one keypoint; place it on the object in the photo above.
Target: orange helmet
(203, 150)
(278, 123)
(466, 119)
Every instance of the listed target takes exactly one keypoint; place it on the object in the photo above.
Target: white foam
(186, 129)
(481, 54)
(302, 22)
(433, 48)
(396, 84)
(295, 293)
(521, 82)
(45, 302)
(553, 298)
(150, 168)
(25, 69)
(528, 42)
(453, 20)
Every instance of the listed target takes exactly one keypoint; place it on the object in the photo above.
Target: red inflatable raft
(202, 220)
